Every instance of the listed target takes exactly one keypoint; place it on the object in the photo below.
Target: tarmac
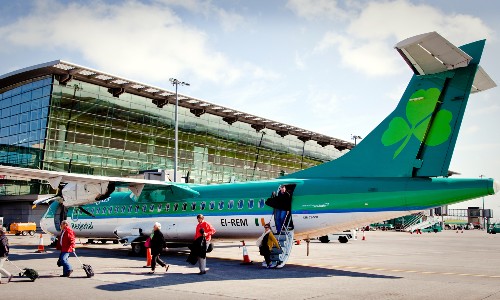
(386, 265)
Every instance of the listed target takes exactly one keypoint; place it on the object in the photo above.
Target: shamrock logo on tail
(418, 115)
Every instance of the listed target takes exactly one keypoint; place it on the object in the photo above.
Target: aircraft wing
(82, 189)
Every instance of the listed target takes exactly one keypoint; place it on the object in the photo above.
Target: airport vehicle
(413, 147)
(382, 226)
(434, 228)
(23, 228)
(342, 237)
(494, 228)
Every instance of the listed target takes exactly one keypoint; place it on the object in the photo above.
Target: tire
(104, 241)
(324, 239)
(90, 241)
(343, 239)
(138, 248)
(115, 241)
(32, 233)
(24, 232)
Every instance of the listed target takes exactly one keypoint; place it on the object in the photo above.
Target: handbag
(147, 243)
(210, 248)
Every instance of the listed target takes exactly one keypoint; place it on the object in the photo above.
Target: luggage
(87, 268)
(30, 273)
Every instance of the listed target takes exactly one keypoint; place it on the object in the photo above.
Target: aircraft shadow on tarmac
(219, 269)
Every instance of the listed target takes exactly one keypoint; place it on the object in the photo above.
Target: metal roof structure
(65, 71)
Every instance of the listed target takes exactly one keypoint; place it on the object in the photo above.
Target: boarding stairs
(414, 220)
(285, 239)
(429, 221)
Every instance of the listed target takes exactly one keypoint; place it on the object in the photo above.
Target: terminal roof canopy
(65, 71)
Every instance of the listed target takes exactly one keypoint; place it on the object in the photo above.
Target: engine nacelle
(130, 232)
(76, 194)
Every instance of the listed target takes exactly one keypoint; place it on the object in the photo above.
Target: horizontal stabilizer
(482, 81)
(430, 53)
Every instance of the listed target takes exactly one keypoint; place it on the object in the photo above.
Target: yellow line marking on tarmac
(396, 270)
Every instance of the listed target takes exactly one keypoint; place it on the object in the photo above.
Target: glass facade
(80, 127)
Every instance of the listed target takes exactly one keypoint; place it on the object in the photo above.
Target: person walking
(266, 242)
(157, 245)
(65, 243)
(4, 253)
(206, 230)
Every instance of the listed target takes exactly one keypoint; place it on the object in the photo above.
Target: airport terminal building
(65, 117)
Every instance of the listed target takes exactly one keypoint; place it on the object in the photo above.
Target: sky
(327, 66)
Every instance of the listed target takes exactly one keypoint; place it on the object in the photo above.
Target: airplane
(399, 168)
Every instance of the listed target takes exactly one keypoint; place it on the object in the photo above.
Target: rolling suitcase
(32, 274)
(87, 268)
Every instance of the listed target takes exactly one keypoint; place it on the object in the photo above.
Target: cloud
(369, 28)
(128, 38)
(312, 9)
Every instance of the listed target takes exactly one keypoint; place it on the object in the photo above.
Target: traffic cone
(41, 248)
(364, 238)
(246, 258)
(148, 258)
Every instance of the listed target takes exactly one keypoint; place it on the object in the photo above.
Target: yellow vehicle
(23, 228)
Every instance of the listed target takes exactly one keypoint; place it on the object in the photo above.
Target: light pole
(355, 138)
(484, 219)
(176, 137)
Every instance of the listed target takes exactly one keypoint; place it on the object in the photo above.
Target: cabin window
(137, 208)
(230, 204)
(212, 205)
(110, 210)
(262, 202)
(193, 206)
(184, 206)
(250, 203)
(130, 208)
(144, 208)
(159, 207)
(92, 210)
(124, 208)
(167, 207)
(152, 207)
(176, 206)
(117, 209)
(202, 205)
(240, 203)
(221, 205)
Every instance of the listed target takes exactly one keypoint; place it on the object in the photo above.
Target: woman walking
(157, 245)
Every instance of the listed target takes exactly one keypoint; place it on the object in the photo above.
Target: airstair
(285, 239)
(429, 221)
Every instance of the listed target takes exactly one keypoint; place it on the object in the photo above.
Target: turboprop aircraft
(401, 167)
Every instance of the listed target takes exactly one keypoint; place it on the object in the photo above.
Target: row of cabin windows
(212, 205)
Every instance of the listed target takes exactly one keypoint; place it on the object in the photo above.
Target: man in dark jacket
(65, 243)
(283, 208)
(157, 245)
(4, 253)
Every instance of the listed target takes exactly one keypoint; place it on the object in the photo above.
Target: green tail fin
(418, 138)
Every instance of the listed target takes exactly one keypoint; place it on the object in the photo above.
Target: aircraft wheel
(115, 241)
(24, 233)
(32, 233)
(90, 241)
(138, 249)
(103, 241)
(324, 239)
(343, 239)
